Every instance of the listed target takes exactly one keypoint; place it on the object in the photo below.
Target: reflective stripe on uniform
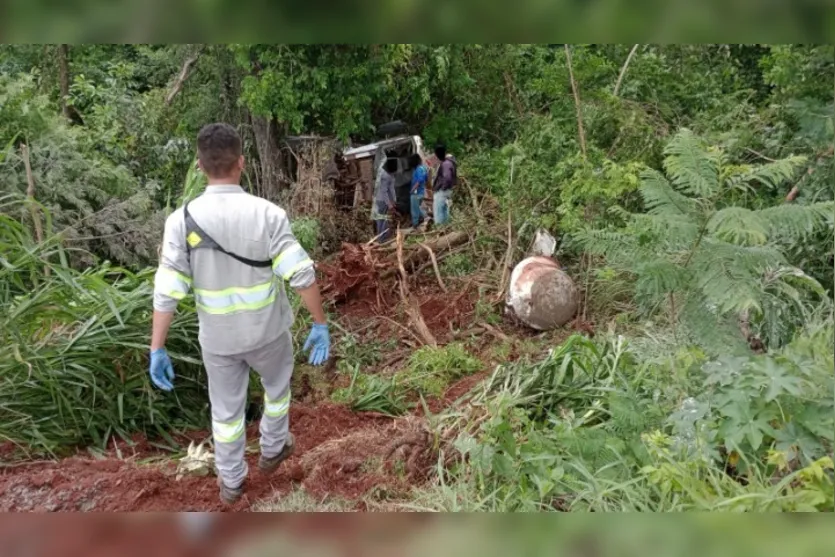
(228, 432)
(290, 261)
(171, 283)
(278, 408)
(230, 300)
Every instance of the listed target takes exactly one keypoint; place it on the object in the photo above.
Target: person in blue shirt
(420, 174)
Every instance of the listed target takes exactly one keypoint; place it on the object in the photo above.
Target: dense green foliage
(594, 427)
(689, 187)
(73, 348)
(711, 258)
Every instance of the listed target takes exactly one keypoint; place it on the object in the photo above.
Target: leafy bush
(431, 369)
(457, 265)
(591, 428)
(95, 204)
(711, 262)
(306, 230)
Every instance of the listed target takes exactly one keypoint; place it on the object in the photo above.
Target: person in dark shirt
(384, 199)
(445, 179)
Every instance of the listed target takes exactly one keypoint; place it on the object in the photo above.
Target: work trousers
(228, 388)
(417, 211)
(382, 224)
(440, 206)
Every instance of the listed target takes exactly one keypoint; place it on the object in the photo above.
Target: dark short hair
(218, 148)
(440, 151)
(415, 161)
(390, 165)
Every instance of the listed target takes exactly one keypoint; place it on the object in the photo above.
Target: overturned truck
(369, 160)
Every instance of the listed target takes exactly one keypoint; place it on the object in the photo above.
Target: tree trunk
(273, 173)
(64, 78)
(577, 104)
(182, 76)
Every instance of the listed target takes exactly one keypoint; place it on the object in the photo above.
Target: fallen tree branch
(439, 257)
(796, 189)
(418, 256)
(412, 309)
(435, 266)
(753, 152)
(399, 326)
(183, 75)
(494, 331)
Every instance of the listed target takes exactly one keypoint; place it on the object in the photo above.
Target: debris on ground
(199, 461)
(541, 295)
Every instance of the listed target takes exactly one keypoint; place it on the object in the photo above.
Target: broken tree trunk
(412, 307)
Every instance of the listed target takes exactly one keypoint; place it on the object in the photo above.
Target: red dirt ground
(339, 454)
(85, 484)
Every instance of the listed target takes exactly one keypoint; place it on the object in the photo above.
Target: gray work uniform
(243, 311)
(384, 196)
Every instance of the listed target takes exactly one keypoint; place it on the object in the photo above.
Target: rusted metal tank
(541, 295)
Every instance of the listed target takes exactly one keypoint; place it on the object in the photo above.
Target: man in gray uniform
(234, 251)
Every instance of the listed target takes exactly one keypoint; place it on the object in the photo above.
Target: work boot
(228, 495)
(269, 464)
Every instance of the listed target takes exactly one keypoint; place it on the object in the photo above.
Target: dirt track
(85, 484)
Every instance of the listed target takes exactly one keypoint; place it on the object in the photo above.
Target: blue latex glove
(319, 344)
(162, 372)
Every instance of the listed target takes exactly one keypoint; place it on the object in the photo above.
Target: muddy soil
(83, 483)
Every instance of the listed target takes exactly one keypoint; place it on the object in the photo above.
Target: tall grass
(592, 427)
(73, 351)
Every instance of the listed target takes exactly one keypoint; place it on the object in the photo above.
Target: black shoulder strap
(197, 238)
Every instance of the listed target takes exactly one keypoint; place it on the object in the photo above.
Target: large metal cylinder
(541, 295)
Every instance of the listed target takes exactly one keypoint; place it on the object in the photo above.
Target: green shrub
(430, 370)
(457, 265)
(372, 393)
(306, 230)
(710, 262)
(590, 428)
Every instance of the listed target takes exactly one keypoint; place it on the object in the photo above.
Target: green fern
(707, 261)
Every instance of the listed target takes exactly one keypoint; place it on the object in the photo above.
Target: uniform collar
(224, 188)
